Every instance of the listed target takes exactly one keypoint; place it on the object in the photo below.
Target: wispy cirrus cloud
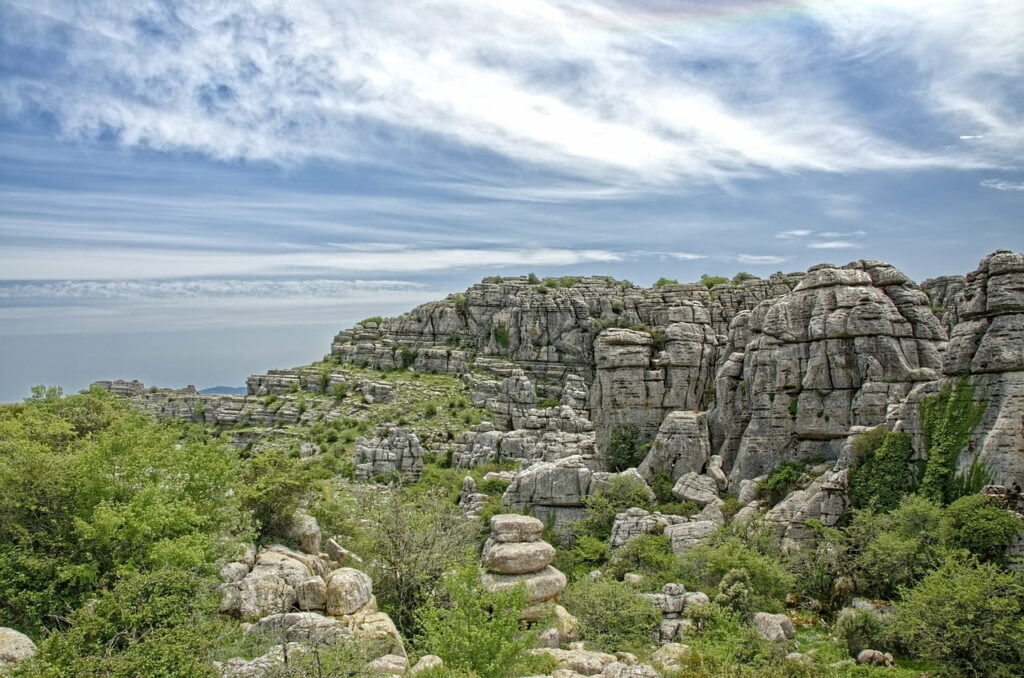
(833, 245)
(760, 259)
(620, 94)
(1000, 185)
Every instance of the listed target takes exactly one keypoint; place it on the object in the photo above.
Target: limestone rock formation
(836, 352)
(393, 450)
(684, 536)
(298, 598)
(636, 521)
(514, 554)
(682, 445)
(774, 627)
(986, 348)
(672, 602)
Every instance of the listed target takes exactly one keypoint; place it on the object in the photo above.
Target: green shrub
(372, 319)
(274, 485)
(533, 279)
(710, 281)
(782, 480)
(947, 420)
(501, 336)
(406, 357)
(661, 282)
(161, 624)
(858, 630)
(882, 473)
(974, 524)
(707, 563)
(741, 276)
(624, 448)
(473, 630)
(649, 555)
(612, 616)
(586, 555)
(967, 615)
(615, 496)
(735, 592)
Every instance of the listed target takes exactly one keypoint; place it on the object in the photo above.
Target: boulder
(14, 647)
(517, 557)
(426, 663)
(774, 627)
(540, 586)
(697, 488)
(347, 590)
(510, 527)
(685, 536)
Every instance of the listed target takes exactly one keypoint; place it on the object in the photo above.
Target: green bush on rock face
(882, 473)
(947, 419)
(619, 494)
(624, 448)
(473, 630)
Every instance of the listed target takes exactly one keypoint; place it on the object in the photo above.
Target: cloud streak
(589, 91)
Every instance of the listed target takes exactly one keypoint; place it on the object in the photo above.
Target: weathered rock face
(672, 602)
(824, 500)
(681, 446)
(774, 627)
(684, 536)
(641, 376)
(986, 348)
(636, 521)
(836, 352)
(556, 492)
(393, 450)
(299, 598)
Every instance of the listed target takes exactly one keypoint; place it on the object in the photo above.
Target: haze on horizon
(194, 191)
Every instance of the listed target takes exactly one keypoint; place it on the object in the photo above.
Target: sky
(192, 191)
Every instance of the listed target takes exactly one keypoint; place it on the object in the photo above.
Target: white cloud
(836, 234)
(765, 259)
(191, 289)
(596, 90)
(797, 233)
(1000, 185)
(686, 256)
(833, 245)
(42, 263)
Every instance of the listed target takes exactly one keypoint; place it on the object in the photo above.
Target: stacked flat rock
(514, 554)
(392, 450)
(672, 602)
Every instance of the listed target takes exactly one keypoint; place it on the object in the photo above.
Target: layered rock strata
(515, 554)
(393, 450)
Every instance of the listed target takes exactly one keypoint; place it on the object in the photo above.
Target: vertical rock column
(516, 554)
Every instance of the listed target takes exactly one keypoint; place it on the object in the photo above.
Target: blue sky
(196, 190)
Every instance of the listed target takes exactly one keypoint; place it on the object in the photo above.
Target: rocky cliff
(724, 383)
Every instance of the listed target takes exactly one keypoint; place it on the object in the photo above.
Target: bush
(661, 282)
(501, 336)
(160, 624)
(707, 563)
(612, 616)
(781, 481)
(710, 281)
(858, 630)
(473, 630)
(275, 484)
(882, 473)
(624, 448)
(615, 496)
(741, 276)
(649, 555)
(736, 593)
(974, 524)
(967, 615)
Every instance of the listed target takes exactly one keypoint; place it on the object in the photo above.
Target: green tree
(967, 615)
(611, 498)
(624, 448)
(974, 524)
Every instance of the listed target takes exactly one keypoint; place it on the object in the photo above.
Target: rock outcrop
(838, 351)
(986, 352)
(515, 554)
(307, 601)
(672, 602)
(393, 450)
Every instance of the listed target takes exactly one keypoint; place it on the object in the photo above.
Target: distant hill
(224, 390)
